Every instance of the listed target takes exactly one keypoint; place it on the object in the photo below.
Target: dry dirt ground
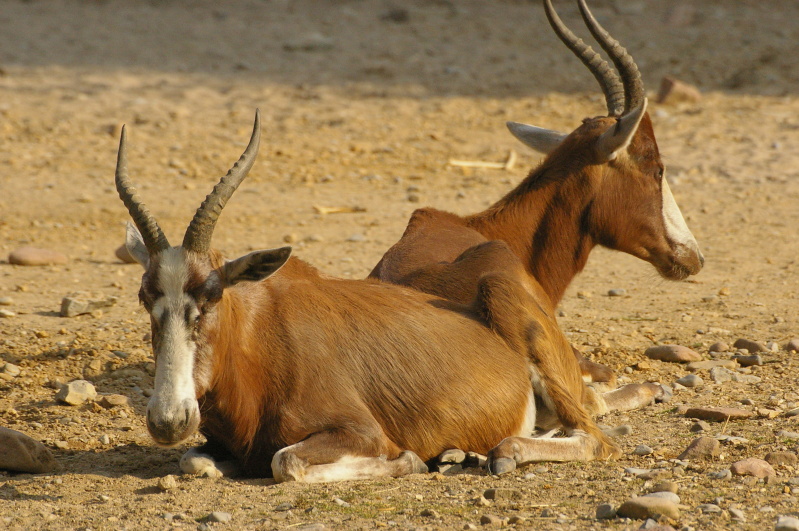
(363, 103)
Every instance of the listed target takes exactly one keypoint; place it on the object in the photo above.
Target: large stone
(718, 414)
(76, 393)
(33, 256)
(79, 303)
(20, 453)
(787, 523)
(702, 448)
(672, 354)
(781, 458)
(649, 507)
(752, 467)
(749, 360)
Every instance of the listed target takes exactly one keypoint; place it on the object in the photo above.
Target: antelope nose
(169, 426)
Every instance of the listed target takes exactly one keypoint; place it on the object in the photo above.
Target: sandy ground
(363, 103)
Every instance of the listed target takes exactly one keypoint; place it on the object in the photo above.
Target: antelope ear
(255, 266)
(135, 245)
(538, 138)
(618, 137)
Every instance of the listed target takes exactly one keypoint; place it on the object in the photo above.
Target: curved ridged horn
(628, 70)
(201, 228)
(604, 74)
(151, 233)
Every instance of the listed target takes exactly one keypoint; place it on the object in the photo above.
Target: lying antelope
(602, 184)
(311, 378)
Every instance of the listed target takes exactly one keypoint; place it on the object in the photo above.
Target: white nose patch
(676, 229)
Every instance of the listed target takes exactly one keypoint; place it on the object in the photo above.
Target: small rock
(6, 301)
(219, 516)
(32, 256)
(490, 519)
(6, 313)
(431, 513)
(718, 414)
(665, 495)
(124, 255)
(637, 471)
(76, 393)
(474, 460)
(453, 455)
(618, 431)
(104, 439)
(112, 401)
(481, 502)
(665, 486)
(470, 527)
(647, 507)
(605, 511)
(672, 354)
(11, 369)
(721, 474)
(617, 292)
(341, 503)
(752, 467)
(787, 523)
(356, 238)
(643, 449)
(719, 346)
(78, 304)
(709, 364)
(709, 508)
(286, 506)
(673, 91)
(20, 453)
(168, 482)
(737, 514)
(752, 346)
(502, 494)
(788, 434)
(517, 520)
(721, 375)
(313, 42)
(792, 345)
(691, 381)
(781, 458)
(702, 448)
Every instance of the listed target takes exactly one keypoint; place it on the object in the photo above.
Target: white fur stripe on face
(174, 374)
(676, 229)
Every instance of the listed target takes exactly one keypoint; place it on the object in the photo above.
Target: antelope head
(183, 288)
(632, 208)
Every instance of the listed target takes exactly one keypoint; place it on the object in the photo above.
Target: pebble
(453, 455)
(752, 466)
(719, 346)
(700, 426)
(6, 313)
(718, 414)
(643, 449)
(33, 256)
(721, 474)
(219, 516)
(792, 345)
(788, 434)
(665, 495)
(76, 393)
(709, 364)
(20, 453)
(787, 523)
(672, 354)
(6, 301)
(617, 292)
(637, 471)
(112, 401)
(11, 369)
(751, 346)
(691, 381)
(721, 375)
(167, 482)
(341, 503)
(124, 255)
(605, 511)
(665, 486)
(781, 458)
(104, 439)
(286, 506)
(618, 431)
(737, 514)
(490, 519)
(709, 508)
(502, 494)
(79, 304)
(647, 507)
(469, 527)
(517, 520)
(702, 448)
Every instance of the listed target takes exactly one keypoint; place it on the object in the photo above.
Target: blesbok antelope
(307, 377)
(602, 184)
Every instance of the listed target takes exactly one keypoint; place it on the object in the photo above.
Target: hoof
(501, 465)
(414, 464)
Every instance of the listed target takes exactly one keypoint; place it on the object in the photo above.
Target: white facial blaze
(676, 229)
(174, 375)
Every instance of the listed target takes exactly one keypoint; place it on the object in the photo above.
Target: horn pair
(621, 95)
(198, 234)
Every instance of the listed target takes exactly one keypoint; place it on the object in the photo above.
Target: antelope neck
(547, 228)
